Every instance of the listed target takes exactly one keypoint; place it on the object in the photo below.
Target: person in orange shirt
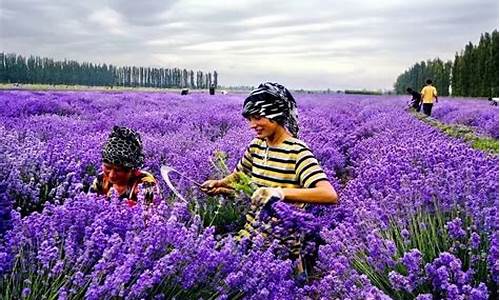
(429, 93)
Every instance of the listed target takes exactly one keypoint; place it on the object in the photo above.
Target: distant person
(429, 93)
(493, 101)
(416, 100)
(122, 159)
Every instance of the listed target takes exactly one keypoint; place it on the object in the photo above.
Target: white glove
(262, 195)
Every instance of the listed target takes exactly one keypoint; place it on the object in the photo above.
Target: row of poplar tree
(41, 70)
(473, 73)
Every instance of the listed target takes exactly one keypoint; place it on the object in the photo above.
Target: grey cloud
(309, 44)
(144, 12)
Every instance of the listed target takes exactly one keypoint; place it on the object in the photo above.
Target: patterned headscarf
(273, 101)
(123, 148)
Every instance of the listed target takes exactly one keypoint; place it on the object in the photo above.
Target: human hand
(263, 195)
(215, 187)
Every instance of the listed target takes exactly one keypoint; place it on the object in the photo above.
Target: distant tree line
(475, 69)
(415, 77)
(41, 70)
(473, 73)
(363, 92)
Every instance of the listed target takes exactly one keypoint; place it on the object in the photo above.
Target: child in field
(429, 93)
(122, 158)
(416, 100)
(281, 165)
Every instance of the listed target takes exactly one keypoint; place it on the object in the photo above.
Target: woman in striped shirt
(276, 159)
(281, 165)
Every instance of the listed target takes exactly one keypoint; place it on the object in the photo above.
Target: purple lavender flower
(50, 154)
(480, 293)
(5, 209)
(455, 229)
(483, 118)
(399, 282)
(475, 240)
(493, 257)
(25, 292)
(424, 297)
(412, 260)
(405, 234)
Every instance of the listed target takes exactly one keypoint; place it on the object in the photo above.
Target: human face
(116, 174)
(263, 127)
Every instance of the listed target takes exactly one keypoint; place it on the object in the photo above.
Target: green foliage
(475, 69)
(486, 144)
(226, 213)
(415, 77)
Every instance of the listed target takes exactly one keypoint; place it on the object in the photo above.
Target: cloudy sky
(302, 44)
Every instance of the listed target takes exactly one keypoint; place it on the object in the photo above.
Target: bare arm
(322, 193)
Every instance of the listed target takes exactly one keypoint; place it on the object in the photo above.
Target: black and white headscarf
(275, 102)
(123, 148)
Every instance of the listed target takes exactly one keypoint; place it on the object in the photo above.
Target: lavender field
(417, 217)
(478, 114)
